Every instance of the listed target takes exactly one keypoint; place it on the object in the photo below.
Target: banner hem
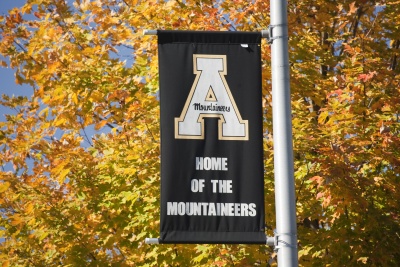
(186, 237)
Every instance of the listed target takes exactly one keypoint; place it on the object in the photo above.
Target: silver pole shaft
(286, 230)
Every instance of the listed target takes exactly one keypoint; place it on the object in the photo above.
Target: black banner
(212, 185)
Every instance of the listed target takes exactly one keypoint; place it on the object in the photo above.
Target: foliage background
(79, 183)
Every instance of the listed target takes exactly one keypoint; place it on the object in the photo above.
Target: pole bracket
(151, 241)
(149, 32)
(269, 33)
(283, 243)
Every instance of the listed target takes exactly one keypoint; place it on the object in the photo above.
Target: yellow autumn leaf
(62, 175)
(74, 98)
(16, 220)
(322, 117)
(44, 112)
(4, 186)
(29, 208)
(59, 121)
(100, 125)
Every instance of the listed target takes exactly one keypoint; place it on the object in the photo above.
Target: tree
(80, 178)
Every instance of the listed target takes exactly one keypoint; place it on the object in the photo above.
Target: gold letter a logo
(210, 97)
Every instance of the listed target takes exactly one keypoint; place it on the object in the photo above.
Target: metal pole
(286, 231)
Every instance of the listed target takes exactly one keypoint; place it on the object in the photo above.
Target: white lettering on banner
(210, 97)
(197, 185)
(211, 163)
(211, 209)
(222, 186)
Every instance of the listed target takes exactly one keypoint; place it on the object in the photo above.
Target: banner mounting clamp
(150, 241)
(269, 33)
